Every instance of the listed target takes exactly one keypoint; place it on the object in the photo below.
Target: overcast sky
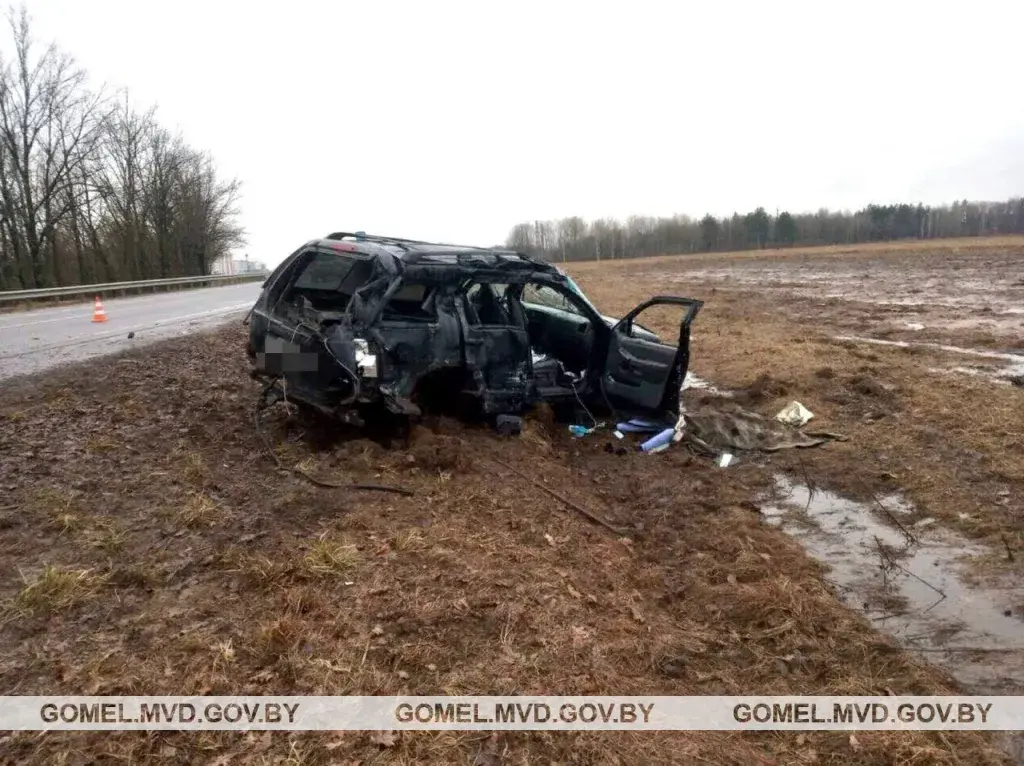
(456, 120)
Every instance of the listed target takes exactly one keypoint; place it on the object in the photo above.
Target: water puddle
(1002, 378)
(1014, 368)
(908, 577)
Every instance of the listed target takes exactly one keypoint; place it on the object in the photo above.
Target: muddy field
(149, 546)
(916, 354)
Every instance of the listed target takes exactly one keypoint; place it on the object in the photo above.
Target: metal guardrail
(9, 296)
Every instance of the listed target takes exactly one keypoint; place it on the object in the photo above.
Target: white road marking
(45, 321)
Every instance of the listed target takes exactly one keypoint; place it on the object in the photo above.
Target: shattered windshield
(550, 297)
(576, 289)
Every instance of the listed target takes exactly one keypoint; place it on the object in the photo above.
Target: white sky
(456, 120)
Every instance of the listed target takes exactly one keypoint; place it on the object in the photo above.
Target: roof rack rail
(501, 252)
(375, 238)
(400, 241)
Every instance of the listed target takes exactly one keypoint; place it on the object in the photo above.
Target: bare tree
(49, 124)
(120, 185)
(570, 232)
(95, 190)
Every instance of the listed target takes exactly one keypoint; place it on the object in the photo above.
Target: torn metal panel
(499, 361)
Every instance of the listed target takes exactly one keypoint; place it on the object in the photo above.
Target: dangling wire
(593, 420)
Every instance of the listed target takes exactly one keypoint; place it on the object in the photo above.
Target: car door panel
(642, 375)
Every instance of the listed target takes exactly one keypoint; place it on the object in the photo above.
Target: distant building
(228, 266)
(247, 267)
(221, 266)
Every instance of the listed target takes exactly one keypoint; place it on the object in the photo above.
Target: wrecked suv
(352, 322)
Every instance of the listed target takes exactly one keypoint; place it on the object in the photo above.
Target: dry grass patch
(300, 600)
(329, 557)
(107, 535)
(199, 510)
(307, 465)
(56, 589)
(101, 443)
(409, 541)
(59, 508)
(225, 652)
(66, 521)
(279, 638)
(263, 572)
(194, 468)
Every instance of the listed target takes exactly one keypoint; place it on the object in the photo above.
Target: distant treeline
(91, 190)
(575, 239)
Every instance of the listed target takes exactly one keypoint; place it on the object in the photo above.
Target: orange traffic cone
(98, 313)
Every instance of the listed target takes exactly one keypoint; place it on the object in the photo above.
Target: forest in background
(92, 190)
(576, 239)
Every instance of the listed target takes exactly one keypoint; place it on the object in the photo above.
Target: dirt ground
(149, 546)
(915, 354)
(951, 436)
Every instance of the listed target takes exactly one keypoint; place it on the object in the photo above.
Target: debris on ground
(578, 431)
(719, 433)
(794, 414)
(639, 426)
(659, 441)
(679, 430)
(716, 431)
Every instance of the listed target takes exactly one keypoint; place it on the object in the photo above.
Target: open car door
(642, 376)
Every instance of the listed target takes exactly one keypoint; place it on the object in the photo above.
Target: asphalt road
(33, 341)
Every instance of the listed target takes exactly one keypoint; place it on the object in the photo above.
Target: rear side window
(333, 273)
(327, 281)
(410, 303)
